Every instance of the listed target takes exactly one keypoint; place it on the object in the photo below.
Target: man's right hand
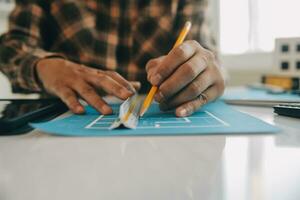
(70, 81)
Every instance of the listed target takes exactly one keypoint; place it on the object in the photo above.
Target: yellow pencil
(148, 100)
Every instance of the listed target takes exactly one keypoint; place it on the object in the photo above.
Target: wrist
(41, 64)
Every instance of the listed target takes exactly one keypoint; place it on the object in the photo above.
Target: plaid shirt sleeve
(164, 25)
(109, 35)
(196, 11)
(22, 47)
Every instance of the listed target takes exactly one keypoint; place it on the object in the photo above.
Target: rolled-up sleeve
(157, 32)
(22, 46)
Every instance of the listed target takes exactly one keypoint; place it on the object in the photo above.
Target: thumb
(152, 65)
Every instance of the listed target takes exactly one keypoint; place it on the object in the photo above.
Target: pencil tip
(142, 112)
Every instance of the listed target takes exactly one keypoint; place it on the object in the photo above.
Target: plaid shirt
(119, 35)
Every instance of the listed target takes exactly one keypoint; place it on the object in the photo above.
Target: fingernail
(79, 109)
(156, 79)
(106, 110)
(126, 93)
(183, 112)
(159, 97)
(132, 92)
(131, 89)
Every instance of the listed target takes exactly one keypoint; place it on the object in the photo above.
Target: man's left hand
(188, 77)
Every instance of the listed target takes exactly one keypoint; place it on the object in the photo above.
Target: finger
(154, 62)
(190, 107)
(121, 80)
(68, 96)
(109, 85)
(136, 85)
(152, 65)
(200, 84)
(90, 95)
(184, 75)
(173, 60)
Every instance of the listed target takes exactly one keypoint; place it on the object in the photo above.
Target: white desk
(39, 166)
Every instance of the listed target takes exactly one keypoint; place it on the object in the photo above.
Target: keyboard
(288, 109)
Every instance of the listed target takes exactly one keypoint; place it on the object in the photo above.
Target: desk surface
(39, 166)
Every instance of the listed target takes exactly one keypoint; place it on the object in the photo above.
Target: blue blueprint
(214, 118)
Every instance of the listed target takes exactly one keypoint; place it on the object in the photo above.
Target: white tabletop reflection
(40, 166)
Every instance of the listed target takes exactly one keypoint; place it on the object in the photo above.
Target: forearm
(22, 46)
(17, 62)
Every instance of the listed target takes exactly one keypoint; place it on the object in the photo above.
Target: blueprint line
(158, 122)
(94, 122)
(220, 120)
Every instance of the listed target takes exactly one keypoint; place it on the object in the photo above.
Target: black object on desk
(288, 109)
(15, 115)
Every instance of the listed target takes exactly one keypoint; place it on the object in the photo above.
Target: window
(251, 26)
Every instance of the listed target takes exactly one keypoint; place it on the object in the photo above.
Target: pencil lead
(142, 112)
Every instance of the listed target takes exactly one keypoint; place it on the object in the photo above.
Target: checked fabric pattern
(119, 35)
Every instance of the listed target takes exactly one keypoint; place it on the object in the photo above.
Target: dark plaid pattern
(119, 35)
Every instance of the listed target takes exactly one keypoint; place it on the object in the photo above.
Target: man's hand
(187, 77)
(70, 81)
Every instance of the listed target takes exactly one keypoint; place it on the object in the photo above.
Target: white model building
(287, 57)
